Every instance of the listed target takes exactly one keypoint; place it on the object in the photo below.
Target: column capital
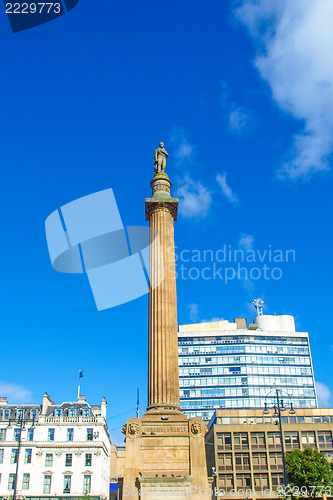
(161, 199)
(156, 205)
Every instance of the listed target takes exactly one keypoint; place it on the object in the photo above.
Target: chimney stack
(46, 403)
(103, 408)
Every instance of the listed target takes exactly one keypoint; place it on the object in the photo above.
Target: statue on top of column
(160, 159)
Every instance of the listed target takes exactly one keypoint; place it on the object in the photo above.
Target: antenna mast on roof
(258, 303)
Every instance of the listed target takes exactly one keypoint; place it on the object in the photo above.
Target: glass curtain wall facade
(222, 366)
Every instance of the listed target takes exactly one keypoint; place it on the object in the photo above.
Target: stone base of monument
(165, 457)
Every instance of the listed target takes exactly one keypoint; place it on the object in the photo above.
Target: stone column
(163, 372)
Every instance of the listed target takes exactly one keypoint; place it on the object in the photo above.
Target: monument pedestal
(165, 457)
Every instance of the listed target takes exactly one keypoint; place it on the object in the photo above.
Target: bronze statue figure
(160, 159)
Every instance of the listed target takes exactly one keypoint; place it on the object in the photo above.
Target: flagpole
(78, 388)
(137, 403)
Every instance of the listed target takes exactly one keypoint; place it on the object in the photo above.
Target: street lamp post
(278, 407)
(20, 422)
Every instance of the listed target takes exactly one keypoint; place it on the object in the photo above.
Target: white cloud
(196, 198)
(185, 151)
(238, 118)
(15, 393)
(295, 40)
(226, 190)
(324, 395)
(246, 241)
(212, 320)
(194, 312)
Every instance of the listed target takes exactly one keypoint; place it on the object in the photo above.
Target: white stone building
(64, 449)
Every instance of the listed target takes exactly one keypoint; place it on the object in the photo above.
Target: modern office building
(55, 450)
(244, 453)
(235, 365)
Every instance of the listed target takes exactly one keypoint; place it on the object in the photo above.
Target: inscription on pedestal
(165, 429)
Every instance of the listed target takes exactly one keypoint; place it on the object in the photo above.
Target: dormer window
(20, 413)
(72, 412)
(6, 414)
(86, 412)
(33, 414)
(58, 412)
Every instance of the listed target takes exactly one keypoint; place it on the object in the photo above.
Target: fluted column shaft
(163, 377)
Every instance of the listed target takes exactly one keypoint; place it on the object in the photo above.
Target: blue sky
(241, 94)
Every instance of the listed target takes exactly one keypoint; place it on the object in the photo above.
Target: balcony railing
(71, 419)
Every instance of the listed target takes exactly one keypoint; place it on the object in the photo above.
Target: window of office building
(308, 439)
(70, 434)
(67, 484)
(11, 480)
(47, 485)
(260, 481)
(88, 459)
(2, 434)
(242, 461)
(243, 481)
(86, 484)
(224, 461)
(68, 460)
(48, 460)
(90, 434)
(1, 455)
(276, 461)
(277, 480)
(27, 456)
(26, 481)
(257, 440)
(13, 456)
(273, 440)
(241, 440)
(50, 435)
(226, 481)
(224, 440)
(291, 439)
(30, 435)
(325, 439)
(259, 460)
